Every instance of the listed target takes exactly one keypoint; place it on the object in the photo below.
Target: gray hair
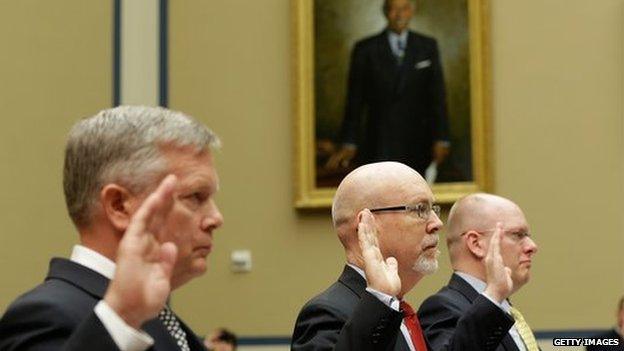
(122, 145)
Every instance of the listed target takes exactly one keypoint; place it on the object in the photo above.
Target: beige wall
(55, 68)
(557, 91)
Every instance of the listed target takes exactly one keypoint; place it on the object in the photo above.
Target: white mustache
(430, 241)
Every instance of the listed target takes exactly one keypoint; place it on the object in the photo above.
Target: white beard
(426, 265)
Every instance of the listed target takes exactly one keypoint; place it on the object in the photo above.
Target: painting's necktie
(173, 327)
(400, 49)
(524, 330)
(413, 326)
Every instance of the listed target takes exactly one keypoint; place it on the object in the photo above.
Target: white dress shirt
(389, 301)
(393, 38)
(126, 338)
(479, 285)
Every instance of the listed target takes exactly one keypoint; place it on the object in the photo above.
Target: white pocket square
(422, 64)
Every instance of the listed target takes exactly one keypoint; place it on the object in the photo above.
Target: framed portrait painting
(399, 80)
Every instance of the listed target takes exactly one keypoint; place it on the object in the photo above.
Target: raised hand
(381, 275)
(141, 284)
(498, 277)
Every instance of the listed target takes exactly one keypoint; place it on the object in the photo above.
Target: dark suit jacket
(405, 103)
(345, 317)
(459, 318)
(58, 315)
(611, 334)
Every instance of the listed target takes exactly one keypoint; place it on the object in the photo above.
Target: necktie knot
(408, 311)
(401, 44)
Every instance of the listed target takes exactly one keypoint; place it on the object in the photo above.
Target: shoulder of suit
(446, 298)
(422, 39)
(52, 297)
(371, 40)
(336, 297)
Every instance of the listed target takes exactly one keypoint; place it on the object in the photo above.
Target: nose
(434, 224)
(531, 248)
(212, 220)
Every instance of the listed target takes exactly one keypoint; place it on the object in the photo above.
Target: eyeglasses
(422, 210)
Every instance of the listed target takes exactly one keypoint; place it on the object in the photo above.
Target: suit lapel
(390, 68)
(194, 342)
(463, 287)
(356, 283)
(162, 339)
(385, 52)
(95, 285)
(408, 62)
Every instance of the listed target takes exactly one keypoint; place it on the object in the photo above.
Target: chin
(199, 267)
(426, 265)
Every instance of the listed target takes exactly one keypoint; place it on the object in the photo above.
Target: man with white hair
(484, 232)
(139, 185)
(386, 220)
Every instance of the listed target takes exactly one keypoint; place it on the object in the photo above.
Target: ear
(475, 244)
(118, 205)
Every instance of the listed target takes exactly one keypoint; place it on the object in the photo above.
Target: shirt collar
(93, 260)
(393, 36)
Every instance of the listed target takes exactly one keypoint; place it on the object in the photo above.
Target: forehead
(410, 191)
(191, 165)
(512, 217)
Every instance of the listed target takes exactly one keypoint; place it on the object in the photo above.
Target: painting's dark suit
(611, 334)
(459, 318)
(404, 102)
(58, 315)
(346, 317)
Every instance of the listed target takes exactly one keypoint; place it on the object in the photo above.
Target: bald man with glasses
(485, 232)
(387, 222)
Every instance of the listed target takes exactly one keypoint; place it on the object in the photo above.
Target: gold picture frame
(307, 194)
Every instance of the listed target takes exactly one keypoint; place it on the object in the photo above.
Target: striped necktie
(525, 331)
(173, 327)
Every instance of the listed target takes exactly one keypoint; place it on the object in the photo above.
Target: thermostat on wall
(240, 261)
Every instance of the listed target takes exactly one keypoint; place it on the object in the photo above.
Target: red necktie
(413, 326)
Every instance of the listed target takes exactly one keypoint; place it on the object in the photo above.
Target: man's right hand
(381, 275)
(341, 158)
(141, 284)
(498, 277)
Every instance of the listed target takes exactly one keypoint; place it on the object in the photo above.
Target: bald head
(369, 186)
(471, 224)
(477, 212)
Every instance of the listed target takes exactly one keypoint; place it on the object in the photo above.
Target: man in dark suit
(388, 249)
(616, 333)
(482, 228)
(139, 185)
(395, 79)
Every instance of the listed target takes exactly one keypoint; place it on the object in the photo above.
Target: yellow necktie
(525, 331)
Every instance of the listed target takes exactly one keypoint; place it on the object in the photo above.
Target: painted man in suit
(396, 80)
(478, 223)
(139, 185)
